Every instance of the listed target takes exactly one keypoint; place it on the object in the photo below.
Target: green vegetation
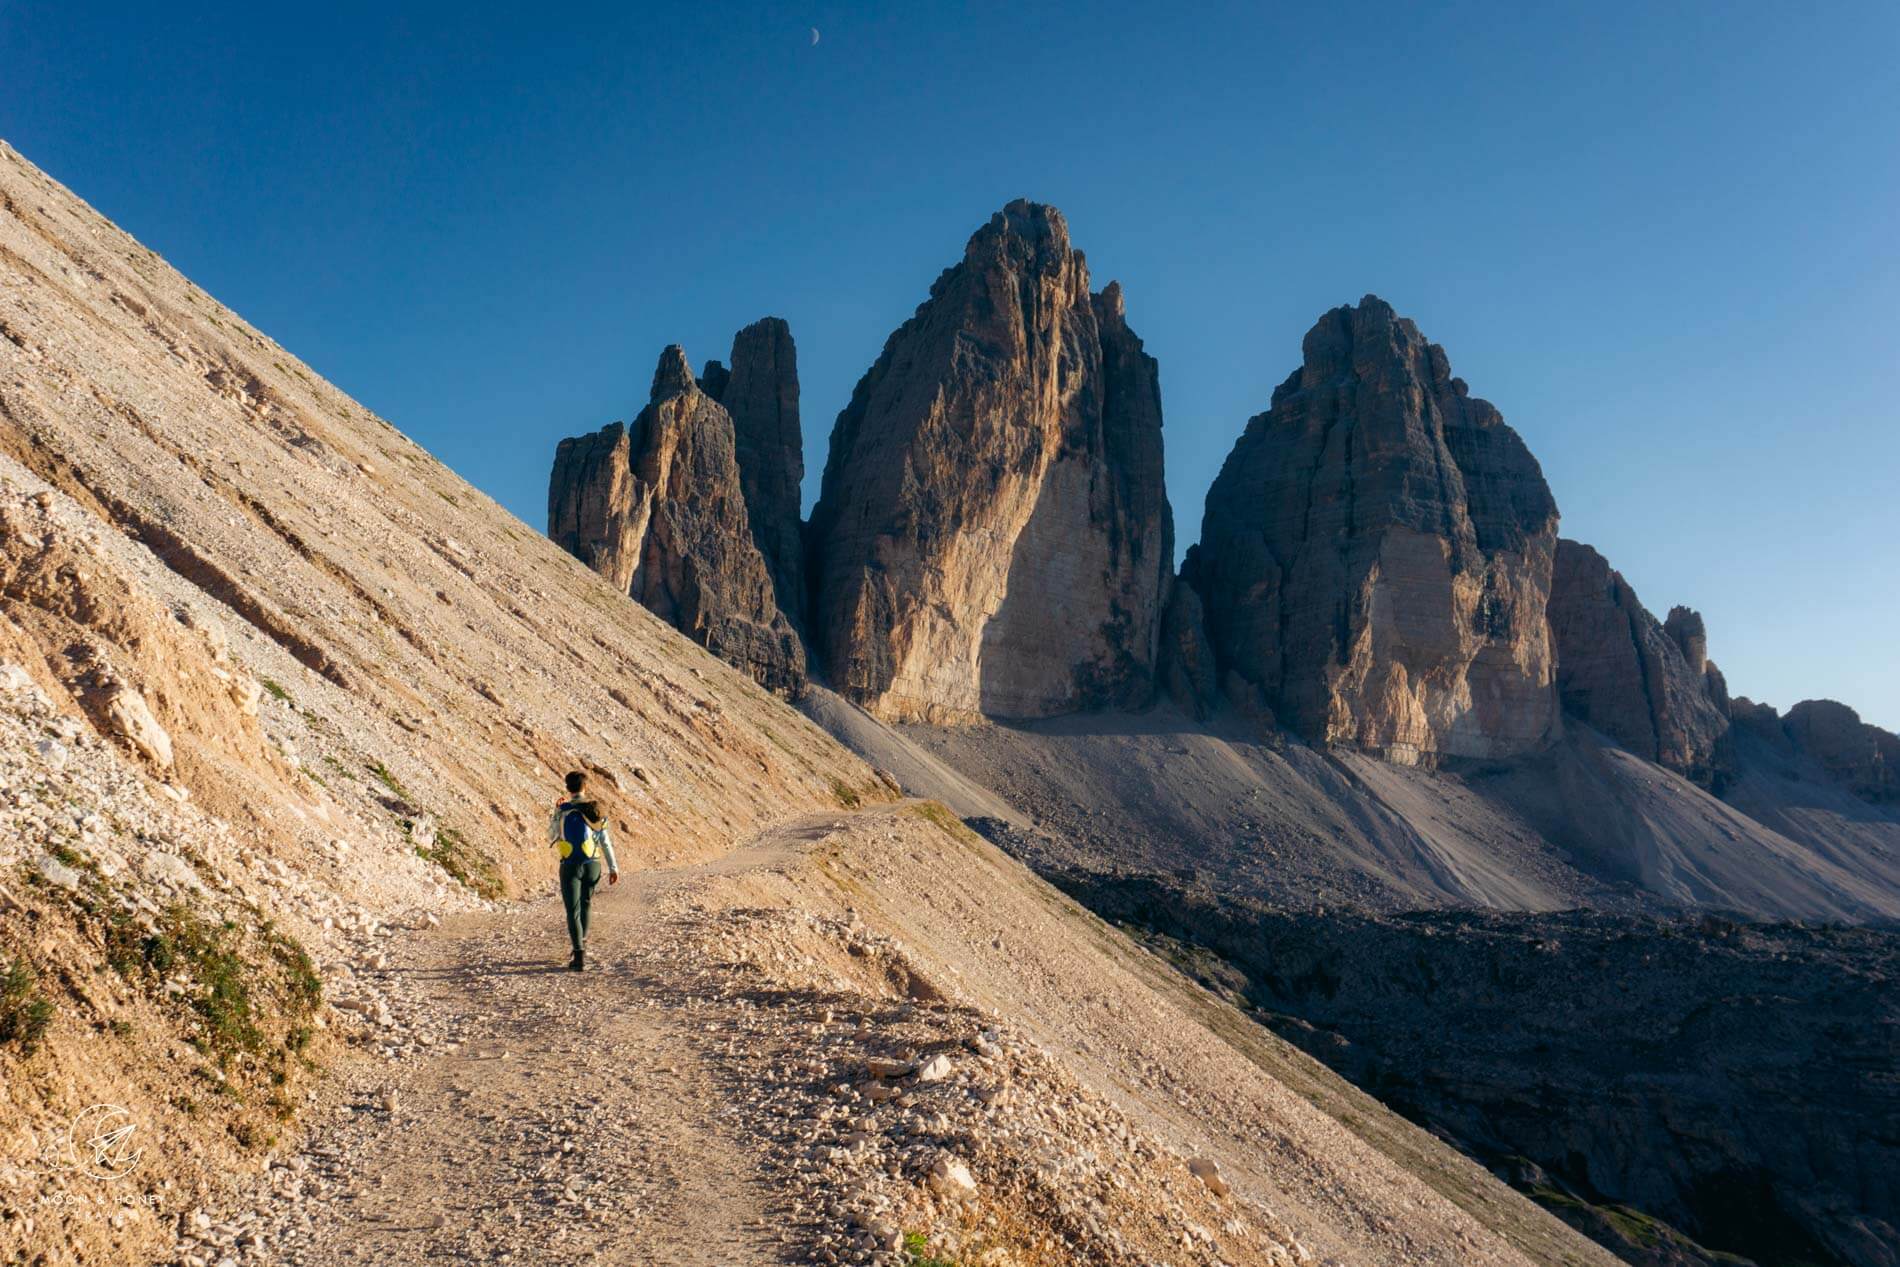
(1633, 1226)
(917, 1252)
(388, 780)
(24, 1011)
(184, 943)
(847, 795)
(452, 852)
(938, 813)
(276, 692)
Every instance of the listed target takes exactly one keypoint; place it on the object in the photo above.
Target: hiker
(579, 829)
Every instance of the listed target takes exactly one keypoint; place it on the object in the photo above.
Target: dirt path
(575, 1117)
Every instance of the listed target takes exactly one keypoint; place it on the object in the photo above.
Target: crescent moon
(814, 37)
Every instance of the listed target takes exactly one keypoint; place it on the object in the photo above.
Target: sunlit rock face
(657, 509)
(993, 536)
(1376, 555)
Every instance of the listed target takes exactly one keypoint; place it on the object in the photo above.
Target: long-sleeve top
(598, 829)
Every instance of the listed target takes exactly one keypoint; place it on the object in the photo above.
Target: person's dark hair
(576, 780)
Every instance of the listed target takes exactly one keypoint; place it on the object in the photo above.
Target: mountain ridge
(1380, 572)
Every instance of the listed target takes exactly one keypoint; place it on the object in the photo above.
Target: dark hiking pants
(578, 877)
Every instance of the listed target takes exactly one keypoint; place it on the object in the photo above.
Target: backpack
(575, 831)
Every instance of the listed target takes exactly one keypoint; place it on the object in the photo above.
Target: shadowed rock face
(657, 509)
(1376, 554)
(760, 392)
(1625, 674)
(1186, 660)
(993, 537)
(1864, 757)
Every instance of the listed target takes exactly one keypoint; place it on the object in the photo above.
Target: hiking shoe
(574, 964)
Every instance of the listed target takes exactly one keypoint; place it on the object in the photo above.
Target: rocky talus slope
(658, 509)
(1732, 1081)
(1376, 553)
(1004, 449)
(283, 704)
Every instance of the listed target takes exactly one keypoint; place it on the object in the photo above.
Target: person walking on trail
(579, 830)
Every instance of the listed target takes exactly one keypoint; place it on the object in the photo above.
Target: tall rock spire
(993, 536)
(1376, 554)
(657, 509)
(760, 391)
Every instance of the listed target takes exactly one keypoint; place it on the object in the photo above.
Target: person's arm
(554, 826)
(607, 851)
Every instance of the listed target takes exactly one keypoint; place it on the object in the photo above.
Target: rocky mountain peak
(1685, 628)
(760, 392)
(1024, 235)
(1375, 555)
(1863, 756)
(658, 509)
(673, 375)
(993, 535)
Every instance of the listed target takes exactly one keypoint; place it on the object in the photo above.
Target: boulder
(993, 535)
(936, 1069)
(1207, 1170)
(1376, 552)
(950, 1178)
(130, 718)
(1622, 672)
(657, 509)
(57, 873)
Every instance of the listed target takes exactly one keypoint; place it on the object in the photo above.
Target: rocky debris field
(180, 974)
(1661, 1081)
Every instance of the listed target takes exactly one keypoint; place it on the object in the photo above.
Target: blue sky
(1661, 238)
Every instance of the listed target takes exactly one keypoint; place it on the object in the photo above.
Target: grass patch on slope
(944, 819)
(25, 1013)
(452, 852)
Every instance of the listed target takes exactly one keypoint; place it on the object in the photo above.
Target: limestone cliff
(993, 537)
(658, 509)
(1627, 675)
(1376, 554)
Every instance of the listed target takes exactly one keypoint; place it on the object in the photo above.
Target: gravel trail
(573, 1118)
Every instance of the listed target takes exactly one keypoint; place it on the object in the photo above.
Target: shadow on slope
(1582, 824)
(1731, 1079)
